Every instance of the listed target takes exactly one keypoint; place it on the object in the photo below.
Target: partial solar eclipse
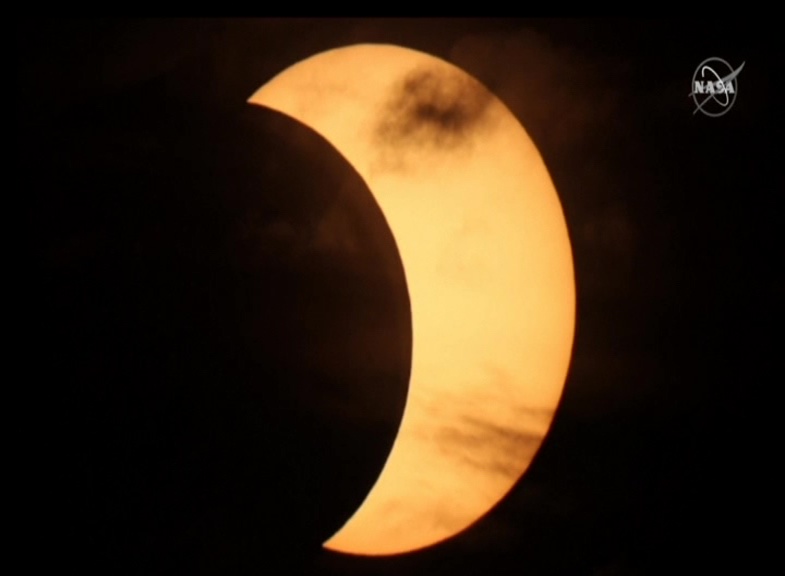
(488, 263)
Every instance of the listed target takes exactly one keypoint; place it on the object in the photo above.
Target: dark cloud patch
(434, 108)
(488, 446)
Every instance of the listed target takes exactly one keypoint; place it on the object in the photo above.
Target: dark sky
(651, 465)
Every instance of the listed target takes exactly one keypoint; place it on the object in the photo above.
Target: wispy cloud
(433, 108)
(488, 446)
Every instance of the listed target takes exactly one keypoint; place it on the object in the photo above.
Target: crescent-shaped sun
(488, 263)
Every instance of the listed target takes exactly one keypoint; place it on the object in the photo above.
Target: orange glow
(489, 268)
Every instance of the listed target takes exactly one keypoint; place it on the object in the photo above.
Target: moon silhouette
(488, 262)
(228, 321)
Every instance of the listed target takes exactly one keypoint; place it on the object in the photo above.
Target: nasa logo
(712, 93)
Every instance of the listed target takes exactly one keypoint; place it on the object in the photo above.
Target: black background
(655, 462)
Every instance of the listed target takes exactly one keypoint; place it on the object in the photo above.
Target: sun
(488, 263)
